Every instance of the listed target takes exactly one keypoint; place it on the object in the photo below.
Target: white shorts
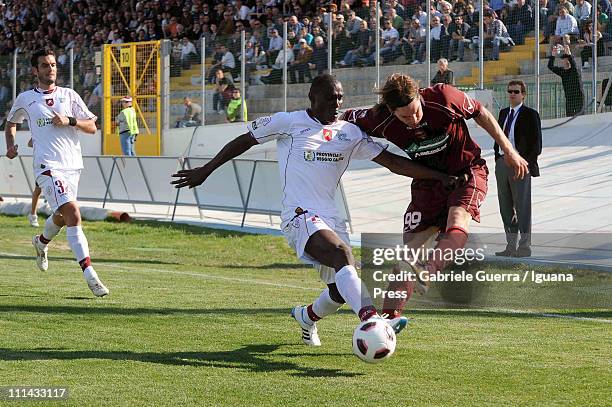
(298, 230)
(59, 186)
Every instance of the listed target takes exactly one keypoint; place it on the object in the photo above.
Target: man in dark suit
(522, 126)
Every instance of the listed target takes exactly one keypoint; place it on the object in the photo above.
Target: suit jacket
(527, 136)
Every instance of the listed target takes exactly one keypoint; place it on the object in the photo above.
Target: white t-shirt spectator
(243, 13)
(567, 25)
(583, 12)
(228, 60)
(276, 43)
(390, 35)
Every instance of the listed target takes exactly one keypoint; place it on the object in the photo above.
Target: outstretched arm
(9, 132)
(486, 120)
(403, 166)
(196, 176)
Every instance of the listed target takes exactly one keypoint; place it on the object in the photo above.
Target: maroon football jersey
(441, 141)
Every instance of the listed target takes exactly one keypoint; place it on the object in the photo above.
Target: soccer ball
(373, 341)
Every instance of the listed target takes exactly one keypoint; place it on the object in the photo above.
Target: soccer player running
(429, 124)
(314, 149)
(55, 115)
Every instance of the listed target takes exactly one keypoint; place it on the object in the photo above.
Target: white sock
(323, 306)
(78, 242)
(51, 229)
(89, 272)
(352, 289)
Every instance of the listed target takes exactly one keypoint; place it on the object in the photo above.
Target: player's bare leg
(327, 248)
(69, 215)
(33, 217)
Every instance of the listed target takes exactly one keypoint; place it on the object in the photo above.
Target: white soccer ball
(373, 341)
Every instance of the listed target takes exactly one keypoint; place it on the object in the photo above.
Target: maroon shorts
(431, 202)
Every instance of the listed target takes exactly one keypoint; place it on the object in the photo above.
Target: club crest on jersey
(327, 134)
(49, 102)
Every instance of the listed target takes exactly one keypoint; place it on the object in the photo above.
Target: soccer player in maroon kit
(429, 124)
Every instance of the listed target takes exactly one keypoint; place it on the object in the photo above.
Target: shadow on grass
(100, 309)
(96, 260)
(189, 229)
(254, 358)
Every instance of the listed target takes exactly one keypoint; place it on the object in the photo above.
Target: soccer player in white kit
(314, 149)
(55, 115)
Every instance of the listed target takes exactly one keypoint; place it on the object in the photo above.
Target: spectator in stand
(470, 17)
(242, 11)
(586, 44)
(396, 21)
(363, 45)
(300, 64)
(418, 41)
(353, 23)
(390, 48)
(582, 11)
(189, 54)
(227, 62)
(566, 29)
(226, 26)
(275, 46)
(276, 75)
(520, 21)
(572, 82)
(192, 116)
(458, 31)
(318, 60)
(420, 15)
(223, 87)
(444, 75)
(438, 34)
(495, 34)
(294, 25)
(400, 10)
(233, 107)
(305, 35)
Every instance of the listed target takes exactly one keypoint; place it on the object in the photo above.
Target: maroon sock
(393, 307)
(43, 239)
(86, 262)
(366, 312)
(455, 238)
(311, 314)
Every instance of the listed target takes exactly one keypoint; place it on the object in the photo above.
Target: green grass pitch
(201, 317)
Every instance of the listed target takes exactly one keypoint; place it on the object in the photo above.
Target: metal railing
(244, 186)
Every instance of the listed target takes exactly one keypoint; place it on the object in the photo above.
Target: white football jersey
(312, 157)
(54, 147)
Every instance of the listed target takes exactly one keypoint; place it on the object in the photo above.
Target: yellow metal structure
(133, 69)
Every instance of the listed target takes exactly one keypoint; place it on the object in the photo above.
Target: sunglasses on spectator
(516, 92)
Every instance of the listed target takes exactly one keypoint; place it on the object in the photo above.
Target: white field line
(259, 282)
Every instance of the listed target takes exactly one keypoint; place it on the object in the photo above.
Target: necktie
(509, 123)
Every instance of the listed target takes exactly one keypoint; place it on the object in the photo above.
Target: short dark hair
(519, 83)
(43, 52)
(322, 81)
